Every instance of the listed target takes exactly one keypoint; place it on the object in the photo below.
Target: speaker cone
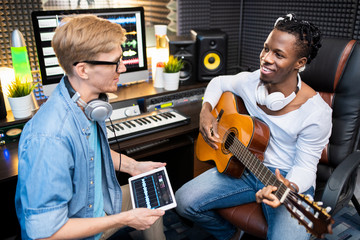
(212, 61)
(185, 72)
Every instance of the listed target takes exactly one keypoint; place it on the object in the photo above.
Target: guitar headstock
(309, 214)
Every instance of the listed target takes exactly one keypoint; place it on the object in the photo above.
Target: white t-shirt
(297, 138)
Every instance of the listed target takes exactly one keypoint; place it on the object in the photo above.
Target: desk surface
(9, 157)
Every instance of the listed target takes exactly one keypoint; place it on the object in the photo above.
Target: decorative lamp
(20, 57)
(21, 66)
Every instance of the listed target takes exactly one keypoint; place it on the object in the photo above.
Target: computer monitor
(134, 48)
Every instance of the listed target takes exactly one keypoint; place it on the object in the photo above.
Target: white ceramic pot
(171, 81)
(158, 81)
(21, 107)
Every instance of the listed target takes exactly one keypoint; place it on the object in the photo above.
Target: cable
(117, 141)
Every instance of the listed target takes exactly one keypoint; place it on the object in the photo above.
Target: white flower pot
(21, 107)
(158, 81)
(171, 81)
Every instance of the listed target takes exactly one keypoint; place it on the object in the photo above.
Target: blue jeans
(198, 198)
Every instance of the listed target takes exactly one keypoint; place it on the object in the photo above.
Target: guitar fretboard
(252, 163)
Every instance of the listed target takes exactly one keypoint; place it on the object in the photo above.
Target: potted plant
(171, 74)
(20, 99)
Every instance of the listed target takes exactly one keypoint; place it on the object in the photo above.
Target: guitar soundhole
(229, 137)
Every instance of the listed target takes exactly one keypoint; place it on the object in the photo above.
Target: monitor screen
(134, 48)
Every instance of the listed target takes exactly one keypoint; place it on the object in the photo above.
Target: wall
(17, 14)
(247, 22)
(336, 18)
(207, 14)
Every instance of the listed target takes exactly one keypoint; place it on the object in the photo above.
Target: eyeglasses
(102, 63)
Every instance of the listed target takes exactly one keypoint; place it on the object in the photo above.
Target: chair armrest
(339, 178)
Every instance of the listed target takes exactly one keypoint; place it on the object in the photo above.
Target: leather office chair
(335, 74)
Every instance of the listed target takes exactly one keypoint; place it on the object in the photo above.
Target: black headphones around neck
(97, 109)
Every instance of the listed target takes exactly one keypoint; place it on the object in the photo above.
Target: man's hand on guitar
(290, 185)
(266, 195)
(208, 126)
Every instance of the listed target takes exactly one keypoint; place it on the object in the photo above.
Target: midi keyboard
(140, 125)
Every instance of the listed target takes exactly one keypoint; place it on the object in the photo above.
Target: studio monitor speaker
(212, 49)
(184, 47)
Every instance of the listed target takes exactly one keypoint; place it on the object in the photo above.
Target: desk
(177, 151)
(9, 159)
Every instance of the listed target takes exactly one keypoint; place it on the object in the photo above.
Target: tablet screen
(152, 190)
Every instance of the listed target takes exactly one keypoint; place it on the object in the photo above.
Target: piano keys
(144, 124)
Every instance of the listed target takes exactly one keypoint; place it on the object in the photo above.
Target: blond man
(67, 187)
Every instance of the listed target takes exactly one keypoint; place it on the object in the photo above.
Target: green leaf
(17, 88)
(173, 65)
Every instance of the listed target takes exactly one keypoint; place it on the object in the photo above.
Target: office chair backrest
(335, 73)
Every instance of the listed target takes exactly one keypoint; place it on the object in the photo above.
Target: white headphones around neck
(276, 100)
(97, 109)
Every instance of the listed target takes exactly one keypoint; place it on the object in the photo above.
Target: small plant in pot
(174, 65)
(171, 74)
(20, 99)
(19, 88)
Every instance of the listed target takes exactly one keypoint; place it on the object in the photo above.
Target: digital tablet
(152, 190)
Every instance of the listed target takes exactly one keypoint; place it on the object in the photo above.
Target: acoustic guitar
(243, 142)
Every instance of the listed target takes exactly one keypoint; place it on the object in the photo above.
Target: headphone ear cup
(275, 101)
(261, 94)
(98, 110)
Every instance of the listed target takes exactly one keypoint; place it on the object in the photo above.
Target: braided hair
(307, 34)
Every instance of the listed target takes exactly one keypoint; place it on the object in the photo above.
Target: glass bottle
(162, 47)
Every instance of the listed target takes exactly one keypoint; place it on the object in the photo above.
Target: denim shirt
(56, 169)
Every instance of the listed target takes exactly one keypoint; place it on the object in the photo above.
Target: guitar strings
(237, 148)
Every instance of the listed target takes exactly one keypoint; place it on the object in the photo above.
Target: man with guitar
(298, 123)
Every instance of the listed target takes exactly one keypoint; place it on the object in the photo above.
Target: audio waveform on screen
(123, 20)
(145, 193)
(129, 53)
(131, 33)
(131, 61)
(132, 43)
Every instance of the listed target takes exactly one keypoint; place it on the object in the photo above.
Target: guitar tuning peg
(320, 203)
(310, 225)
(328, 209)
(310, 197)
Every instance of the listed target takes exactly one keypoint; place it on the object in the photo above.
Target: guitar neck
(254, 165)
